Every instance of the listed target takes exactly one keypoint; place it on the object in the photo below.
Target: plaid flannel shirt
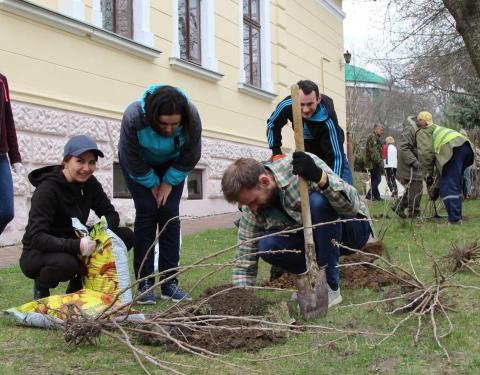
(343, 197)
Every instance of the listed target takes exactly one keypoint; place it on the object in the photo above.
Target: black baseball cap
(79, 144)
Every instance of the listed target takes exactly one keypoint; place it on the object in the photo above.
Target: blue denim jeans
(451, 180)
(6, 193)
(352, 234)
(148, 219)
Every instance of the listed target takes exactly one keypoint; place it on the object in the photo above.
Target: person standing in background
(374, 161)
(9, 155)
(391, 165)
(408, 172)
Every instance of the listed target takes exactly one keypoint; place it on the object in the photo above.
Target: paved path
(9, 255)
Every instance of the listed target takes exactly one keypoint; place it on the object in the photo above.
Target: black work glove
(303, 165)
(429, 181)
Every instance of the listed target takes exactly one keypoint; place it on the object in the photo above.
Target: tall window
(189, 30)
(118, 17)
(251, 42)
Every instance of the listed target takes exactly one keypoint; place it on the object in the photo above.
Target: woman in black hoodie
(51, 249)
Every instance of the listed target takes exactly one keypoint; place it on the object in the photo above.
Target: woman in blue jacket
(160, 143)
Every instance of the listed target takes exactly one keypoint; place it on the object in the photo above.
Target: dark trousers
(347, 172)
(411, 197)
(6, 193)
(352, 233)
(48, 269)
(375, 179)
(391, 180)
(451, 180)
(148, 219)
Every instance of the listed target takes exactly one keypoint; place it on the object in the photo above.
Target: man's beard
(271, 198)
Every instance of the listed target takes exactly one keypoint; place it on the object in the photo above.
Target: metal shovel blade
(312, 292)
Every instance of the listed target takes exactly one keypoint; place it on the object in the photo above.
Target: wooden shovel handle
(302, 184)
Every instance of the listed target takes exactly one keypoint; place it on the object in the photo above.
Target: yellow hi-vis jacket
(435, 146)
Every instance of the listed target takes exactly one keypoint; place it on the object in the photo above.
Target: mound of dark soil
(286, 281)
(220, 335)
(359, 276)
(236, 302)
(235, 335)
(364, 275)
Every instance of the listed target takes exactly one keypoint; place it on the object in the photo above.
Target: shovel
(312, 288)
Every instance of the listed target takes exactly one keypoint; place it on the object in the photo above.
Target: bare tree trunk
(467, 17)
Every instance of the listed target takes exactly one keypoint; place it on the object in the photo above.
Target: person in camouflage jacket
(374, 161)
(408, 172)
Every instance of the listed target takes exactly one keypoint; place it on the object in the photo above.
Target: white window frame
(81, 28)
(141, 20)
(266, 91)
(209, 63)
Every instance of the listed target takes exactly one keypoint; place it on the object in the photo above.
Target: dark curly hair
(168, 100)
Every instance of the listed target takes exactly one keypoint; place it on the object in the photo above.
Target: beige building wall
(66, 77)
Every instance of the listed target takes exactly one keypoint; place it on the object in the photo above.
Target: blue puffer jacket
(142, 148)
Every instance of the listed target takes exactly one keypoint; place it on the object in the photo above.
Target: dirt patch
(236, 335)
(286, 281)
(364, 275)
(237, 302)
(221, 335)
(359, 276)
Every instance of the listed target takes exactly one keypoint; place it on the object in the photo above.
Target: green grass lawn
(36, 351)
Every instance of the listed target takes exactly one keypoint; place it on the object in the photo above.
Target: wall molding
(333, 9)
(256, 92)
(194, 69)
(74, 26)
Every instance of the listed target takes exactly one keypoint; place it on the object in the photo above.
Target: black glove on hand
(429, 181)
(303, 165)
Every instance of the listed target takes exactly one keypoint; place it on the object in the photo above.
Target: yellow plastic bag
(52, 311)
(106, 269)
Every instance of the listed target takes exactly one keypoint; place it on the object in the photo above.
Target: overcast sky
(364, 32)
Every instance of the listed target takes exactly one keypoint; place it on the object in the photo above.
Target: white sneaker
(334, 297)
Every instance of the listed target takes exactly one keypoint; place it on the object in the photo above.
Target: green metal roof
(356, 74)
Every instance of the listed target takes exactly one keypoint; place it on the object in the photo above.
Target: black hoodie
(55, 202)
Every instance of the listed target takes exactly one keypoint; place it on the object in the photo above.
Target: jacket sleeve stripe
(338, 155)
(271, 121)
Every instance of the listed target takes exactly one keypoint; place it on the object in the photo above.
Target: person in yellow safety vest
(450, 153)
